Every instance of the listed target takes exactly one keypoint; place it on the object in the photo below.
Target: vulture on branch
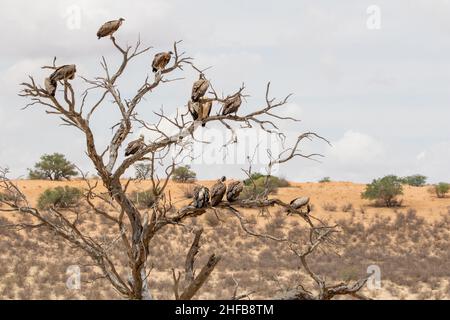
(232, 104)
(161, 60)
(201, 197)
(134, 146)
(234, 190)
(218, 191)
(300, 203)
(200, 110)
(66, 72)
(199, 89)
(109, 28)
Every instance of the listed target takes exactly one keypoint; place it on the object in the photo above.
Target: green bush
(184, 174)
(384, 190)
(60, 197)
(441, 189)
(53, 167)
(256, 188)
(143, 199)
(416, 180)
(325, 180)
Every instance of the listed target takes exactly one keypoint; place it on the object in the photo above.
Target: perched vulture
(161, 60)
(66, 72)
(200, 110)
(301, 203)
(201, 197)
(199, 89)
(232, 104)
(50, 86)
(218, 191)
(109, 28)
(234, 190)
(134, 146)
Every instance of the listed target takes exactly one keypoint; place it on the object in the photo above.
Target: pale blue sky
(381, 96)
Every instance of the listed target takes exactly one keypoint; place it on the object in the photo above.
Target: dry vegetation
(410, 244)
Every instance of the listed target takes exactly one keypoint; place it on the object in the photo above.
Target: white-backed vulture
(199, 88)
(218, 191)
(134, 146)
(300, 203)
(66, 72)
(161, 60)
(232, 104)
(108, 28)
(234, 190)
(200, 110)
(201, 197)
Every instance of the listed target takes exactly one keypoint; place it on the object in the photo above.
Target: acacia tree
(136, 228)
(53, 167)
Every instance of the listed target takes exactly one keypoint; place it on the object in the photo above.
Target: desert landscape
(410, 244)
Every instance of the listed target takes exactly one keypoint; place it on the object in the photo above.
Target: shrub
(325, 180)
(143, 199)
(385, 190)
(184, 174)
(329, 207)
(60, 197)
(52, 167)
(257, 185)
(347, 207)
(441, 189)
(416, 180)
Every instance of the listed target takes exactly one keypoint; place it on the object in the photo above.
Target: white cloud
(357, 148)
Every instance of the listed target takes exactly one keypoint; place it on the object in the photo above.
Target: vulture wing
(299, 202)
(160, 61)
(194, 108)
(232, 105)
(199, 89)
(205, 111)
(217, 193)
(234, 190)
(133, 147)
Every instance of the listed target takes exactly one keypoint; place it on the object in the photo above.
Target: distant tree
(325, 180)
(143, 171)
(384, 190)
(184, 174)
(53, 167)
(259, 185)
(441, 189)
(416, 180)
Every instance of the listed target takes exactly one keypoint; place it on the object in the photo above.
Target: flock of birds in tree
(204, 197)
(199, 107)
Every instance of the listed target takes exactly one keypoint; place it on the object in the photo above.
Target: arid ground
(410, 244)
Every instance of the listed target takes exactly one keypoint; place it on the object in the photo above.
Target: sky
(372, 77)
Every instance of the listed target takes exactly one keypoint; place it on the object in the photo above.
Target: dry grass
(412, 248)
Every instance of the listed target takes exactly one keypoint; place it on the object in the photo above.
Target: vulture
(109, 28)
(218, 191)
(199, 89)
(134, 146)
(200, 110)
(201, 197)
(232, 104)
(161, 60)
(66, 72)
(234, 190)
(301, 203)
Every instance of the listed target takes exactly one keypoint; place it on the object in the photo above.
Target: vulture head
(223, 179)
(121, 19)
(170, 52)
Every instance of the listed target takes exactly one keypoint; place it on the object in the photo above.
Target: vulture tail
(155, 70)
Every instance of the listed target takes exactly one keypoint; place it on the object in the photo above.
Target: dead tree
(136, 228)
